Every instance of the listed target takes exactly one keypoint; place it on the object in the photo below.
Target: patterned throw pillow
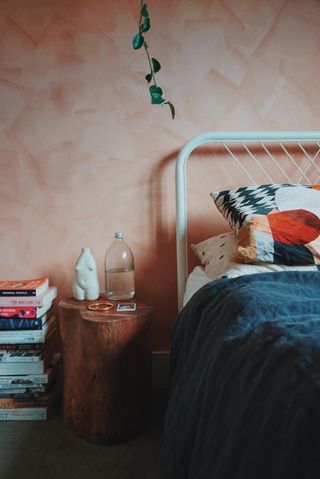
(275, 223)
(216, 255)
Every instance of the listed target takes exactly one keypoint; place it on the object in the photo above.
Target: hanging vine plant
(138, 41)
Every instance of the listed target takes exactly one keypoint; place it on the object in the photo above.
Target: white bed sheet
(196, 279)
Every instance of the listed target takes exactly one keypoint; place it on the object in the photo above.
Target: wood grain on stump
(107, 370)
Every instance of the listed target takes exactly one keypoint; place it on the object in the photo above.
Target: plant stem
(150, 64)
(146, 46)
(140, 19)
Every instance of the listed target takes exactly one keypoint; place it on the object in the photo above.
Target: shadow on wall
(156, 274)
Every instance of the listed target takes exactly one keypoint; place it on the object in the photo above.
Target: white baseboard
(160, 370)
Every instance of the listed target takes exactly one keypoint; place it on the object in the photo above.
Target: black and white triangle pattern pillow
(238, 204)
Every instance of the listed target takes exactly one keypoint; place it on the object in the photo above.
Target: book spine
(16, 392)
(12, 368)
(26, 414)
(27, 355)
(4, 348)
(16, 403)
(21, 387)
(18, 292)
(14, 358)
(7, 324)
(30, 312)
(22, 301)
(31, 338)
(24, 379)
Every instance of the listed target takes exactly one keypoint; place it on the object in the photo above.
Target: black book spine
(9, 324)
(17, 292)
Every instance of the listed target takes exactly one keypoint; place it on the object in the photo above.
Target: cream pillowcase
(215, 253)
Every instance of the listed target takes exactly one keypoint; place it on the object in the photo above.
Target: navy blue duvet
(245, 380)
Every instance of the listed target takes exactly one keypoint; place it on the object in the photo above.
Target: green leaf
(144, 11)
(156, 89)
(148, 77)
(155, 65)
(145, 27)
(137, 41)
(156, 99)
(172, 108)
(156, 95)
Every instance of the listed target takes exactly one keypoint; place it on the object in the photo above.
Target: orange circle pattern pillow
(274, 223)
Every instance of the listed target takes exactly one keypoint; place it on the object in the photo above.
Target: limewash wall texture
(84, 154)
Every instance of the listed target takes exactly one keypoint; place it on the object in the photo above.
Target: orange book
(24, 287)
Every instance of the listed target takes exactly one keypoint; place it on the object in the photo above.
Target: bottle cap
(118, 234)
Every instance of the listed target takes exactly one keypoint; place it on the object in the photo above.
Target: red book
(28, 312)
(24, 287)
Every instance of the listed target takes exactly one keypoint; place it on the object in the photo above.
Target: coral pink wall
(83, 153)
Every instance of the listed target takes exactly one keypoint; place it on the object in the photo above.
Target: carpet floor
(49, 450)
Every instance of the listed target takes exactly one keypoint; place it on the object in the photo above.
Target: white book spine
(21, 368)
(32, 337)
(19, 359)
(39, 388)
(24, 414)
(17, 339)
(26, 340)
(24, 379)
(7, 386)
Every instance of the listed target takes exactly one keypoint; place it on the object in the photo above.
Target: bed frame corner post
(181, 225)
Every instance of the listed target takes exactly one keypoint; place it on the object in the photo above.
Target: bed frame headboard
(226, 139)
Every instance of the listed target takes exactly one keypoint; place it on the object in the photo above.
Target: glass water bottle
(119, 270)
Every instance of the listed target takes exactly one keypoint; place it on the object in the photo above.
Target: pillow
(215, 253)
(274, 223)
(217, 256)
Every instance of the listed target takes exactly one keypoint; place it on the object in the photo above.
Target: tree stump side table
(107, 357)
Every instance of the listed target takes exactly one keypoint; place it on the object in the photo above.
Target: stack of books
(29, 361)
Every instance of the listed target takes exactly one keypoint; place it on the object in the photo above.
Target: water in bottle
(119, 270)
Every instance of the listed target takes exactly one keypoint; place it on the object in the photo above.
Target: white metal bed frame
(245, 139)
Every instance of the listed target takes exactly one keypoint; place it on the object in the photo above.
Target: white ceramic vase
(86, 283)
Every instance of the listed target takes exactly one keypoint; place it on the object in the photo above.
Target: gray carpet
(48, 450)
